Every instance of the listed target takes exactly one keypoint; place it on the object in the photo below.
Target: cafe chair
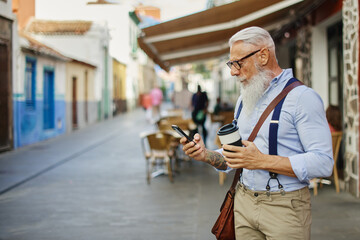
(184, 124)
(228, 116)
(217, 118)
(336, 140)
(175, 112)
(158, 154)
(188, 126)
(223, 117)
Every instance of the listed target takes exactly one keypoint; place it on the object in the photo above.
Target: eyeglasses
(237, 63)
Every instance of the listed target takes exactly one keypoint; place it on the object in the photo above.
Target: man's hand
(196, 151)
(248, 156)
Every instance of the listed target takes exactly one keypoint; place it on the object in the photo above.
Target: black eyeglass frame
(237, 62)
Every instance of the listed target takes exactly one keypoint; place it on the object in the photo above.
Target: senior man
(271, 206)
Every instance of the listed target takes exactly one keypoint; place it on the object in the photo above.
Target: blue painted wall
(29, 123)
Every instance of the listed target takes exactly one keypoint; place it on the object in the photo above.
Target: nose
(234, 71)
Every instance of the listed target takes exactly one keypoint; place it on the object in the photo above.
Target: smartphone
(181, 133)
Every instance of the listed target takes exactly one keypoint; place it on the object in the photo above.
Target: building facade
(8, 36)
(86, 42)
(350, 37)
(116, 17)
(81, 104)
(323, 50)
(119, 87)
(39, 93)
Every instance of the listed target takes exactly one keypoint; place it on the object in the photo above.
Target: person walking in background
(271, 206)
(157, 97)
(182, 99)
(147, 105)
(218, 106)
(333, 116)
(200, 103)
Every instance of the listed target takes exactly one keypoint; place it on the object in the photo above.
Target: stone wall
(351, 98)
(303, 54)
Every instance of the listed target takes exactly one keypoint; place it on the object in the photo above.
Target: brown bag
(224, 228)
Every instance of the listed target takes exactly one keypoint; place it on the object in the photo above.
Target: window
(30, 76)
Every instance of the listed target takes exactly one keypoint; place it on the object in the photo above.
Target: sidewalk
(91, 185)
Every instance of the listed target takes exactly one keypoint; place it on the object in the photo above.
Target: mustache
(238, 78)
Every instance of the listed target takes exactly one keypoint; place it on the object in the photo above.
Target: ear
(264, 56)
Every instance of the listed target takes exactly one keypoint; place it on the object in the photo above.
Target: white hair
(253, 35)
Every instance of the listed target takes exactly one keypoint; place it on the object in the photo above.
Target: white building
(85, 41)
(120, 25)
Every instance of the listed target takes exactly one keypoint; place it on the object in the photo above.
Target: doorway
(4, 97)
(49, 99)
(335, 74)
(335, 63)
(74, 103)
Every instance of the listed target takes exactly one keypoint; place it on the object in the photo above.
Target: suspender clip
(273, 175)
(268, 189)
(282, 191)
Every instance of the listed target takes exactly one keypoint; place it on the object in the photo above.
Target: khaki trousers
(274, 217)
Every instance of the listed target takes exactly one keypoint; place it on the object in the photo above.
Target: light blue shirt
(303, 136)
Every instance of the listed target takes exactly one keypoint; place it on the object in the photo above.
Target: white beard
(254, 90)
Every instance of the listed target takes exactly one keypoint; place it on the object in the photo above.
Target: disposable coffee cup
(229, 134)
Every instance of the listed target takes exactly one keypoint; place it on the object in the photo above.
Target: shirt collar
(283, 76)
(275, 80)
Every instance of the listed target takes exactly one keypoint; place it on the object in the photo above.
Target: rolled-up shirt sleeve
(315, 137)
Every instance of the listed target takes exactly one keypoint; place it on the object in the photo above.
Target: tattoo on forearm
(216, 159)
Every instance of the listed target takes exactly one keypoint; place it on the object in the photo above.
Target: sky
(171, 9)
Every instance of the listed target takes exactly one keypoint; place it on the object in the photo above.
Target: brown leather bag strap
(257, 127)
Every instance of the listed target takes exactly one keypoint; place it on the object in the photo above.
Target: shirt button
(256, 194)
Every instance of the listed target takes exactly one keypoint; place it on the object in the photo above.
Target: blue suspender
(238, 113)
(273, 135)
(274, 123)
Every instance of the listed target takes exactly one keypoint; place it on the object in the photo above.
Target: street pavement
(91, 184)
